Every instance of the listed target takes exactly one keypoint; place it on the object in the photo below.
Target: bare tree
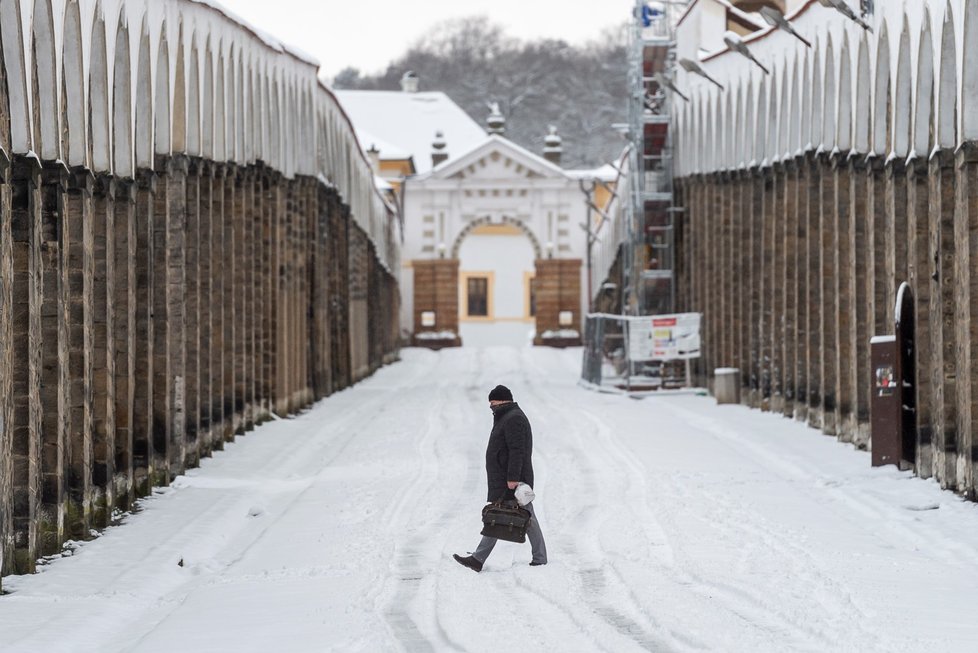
(581, 89)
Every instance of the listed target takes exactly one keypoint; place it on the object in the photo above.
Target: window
(477, 297)
(529, 284)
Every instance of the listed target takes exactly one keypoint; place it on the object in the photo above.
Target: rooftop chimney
(374, 155)
(438, 153)
(552, 148)
(496, 121)
(409, 82)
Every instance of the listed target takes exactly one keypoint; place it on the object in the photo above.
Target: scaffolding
(650, 253)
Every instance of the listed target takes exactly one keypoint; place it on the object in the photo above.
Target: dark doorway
(905, 334)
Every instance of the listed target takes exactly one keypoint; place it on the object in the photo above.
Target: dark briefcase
(505, 520)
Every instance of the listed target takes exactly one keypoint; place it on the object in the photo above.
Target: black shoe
(468, 561)
(537, 564)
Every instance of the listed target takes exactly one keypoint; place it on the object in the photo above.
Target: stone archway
(488, 220)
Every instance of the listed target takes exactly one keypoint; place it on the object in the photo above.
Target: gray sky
(367, 34)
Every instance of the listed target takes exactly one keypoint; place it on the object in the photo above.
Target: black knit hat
(500, 393)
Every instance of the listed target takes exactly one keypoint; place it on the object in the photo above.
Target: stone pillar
(217, 347)
(192, 310)
(829, 321)
(722, 279)
(123, 325)
(966, 312)
(270, 271)
(25, 377)
(895, 234)
(756, 230)
(103, 348)
(162, 381)
(790, 297)
(863, 279)
(79, 288)
(231, 210)
(767, 314)
(944, 336)
(6, 370)
(53, 343)
(778, 332)
(742, 280)
(803, 173)
(814, 285)
(205, 279)
(143, 425)
(919, 274)
(876, 208)
(845, 305)
(176, 309)
(339, 302)
(558, 289)
(243, 201)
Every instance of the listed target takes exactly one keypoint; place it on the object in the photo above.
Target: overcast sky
(368, 34)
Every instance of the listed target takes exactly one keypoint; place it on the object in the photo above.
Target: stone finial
(438, 153)
(496, 121)
(410, 81)
(552, 146)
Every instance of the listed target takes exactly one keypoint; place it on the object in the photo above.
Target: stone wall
(183, 252)
(822, 243)
(149, 322)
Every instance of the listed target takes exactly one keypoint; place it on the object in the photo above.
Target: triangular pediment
(497, 158)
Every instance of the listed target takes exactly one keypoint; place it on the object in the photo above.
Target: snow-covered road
(672, 525)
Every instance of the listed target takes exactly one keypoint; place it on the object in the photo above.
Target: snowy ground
(672, 525)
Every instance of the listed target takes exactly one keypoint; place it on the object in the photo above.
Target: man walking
(508, 463)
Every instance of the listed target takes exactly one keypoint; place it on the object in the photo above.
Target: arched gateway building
(494, 245)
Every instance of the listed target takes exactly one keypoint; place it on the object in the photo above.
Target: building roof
(498, 143)
(407, 122)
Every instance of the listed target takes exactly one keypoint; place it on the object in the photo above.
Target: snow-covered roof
(408, 122)
(387, 150)
(607, 172)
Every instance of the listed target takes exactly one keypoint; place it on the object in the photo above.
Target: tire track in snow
(319, 453)
(751, 603)
(603, 590)
(415, 556)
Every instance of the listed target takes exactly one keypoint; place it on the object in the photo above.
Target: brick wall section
(436, 289)
(558, 288)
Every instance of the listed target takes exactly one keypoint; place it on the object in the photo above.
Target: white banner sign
(664, 337)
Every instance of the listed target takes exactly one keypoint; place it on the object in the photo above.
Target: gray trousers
(533, 532)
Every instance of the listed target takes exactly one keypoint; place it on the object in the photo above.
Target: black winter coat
(509, 452)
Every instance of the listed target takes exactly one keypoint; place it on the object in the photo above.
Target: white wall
(509, 258)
